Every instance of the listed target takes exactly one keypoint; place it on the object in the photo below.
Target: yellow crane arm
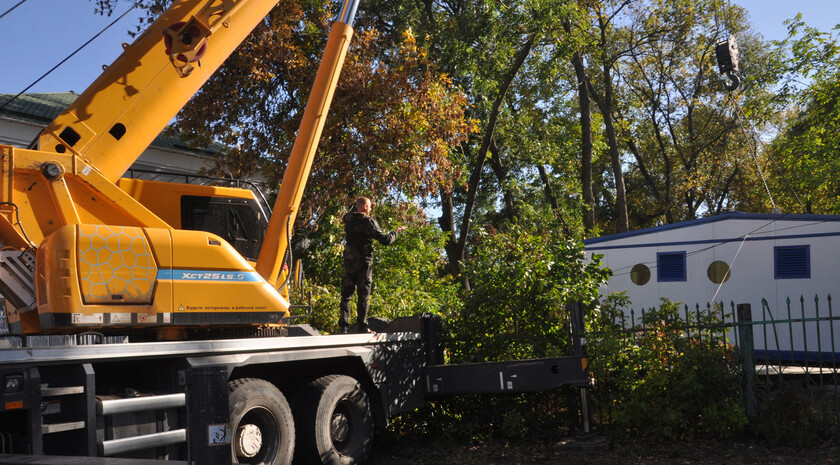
(132, 101)
(270, 261)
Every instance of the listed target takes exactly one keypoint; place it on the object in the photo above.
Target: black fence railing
(794, 347)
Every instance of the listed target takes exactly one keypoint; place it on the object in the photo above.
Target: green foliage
(521, 281)
(796, 414)
(665, 378)
(806, 178)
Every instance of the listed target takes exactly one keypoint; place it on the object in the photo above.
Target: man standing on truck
(357, 272)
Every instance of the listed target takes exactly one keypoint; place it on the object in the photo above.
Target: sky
(39, 34)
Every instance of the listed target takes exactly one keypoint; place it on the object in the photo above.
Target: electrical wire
(6, 103)
(754, 232)
(21, 2)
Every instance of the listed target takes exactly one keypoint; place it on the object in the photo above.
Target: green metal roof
(42, 108)
(36, 108)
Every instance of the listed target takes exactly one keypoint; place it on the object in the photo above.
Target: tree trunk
(501, 176)
(447, 225)
(585, 143)
(549, 195)
(605, 106)
(481, 156)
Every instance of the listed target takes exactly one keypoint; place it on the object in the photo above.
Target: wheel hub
(248, 440)
(340, 427)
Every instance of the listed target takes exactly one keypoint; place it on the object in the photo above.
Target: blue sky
(40, 33)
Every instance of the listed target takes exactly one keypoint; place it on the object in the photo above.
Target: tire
(262, 424)
(335, 425)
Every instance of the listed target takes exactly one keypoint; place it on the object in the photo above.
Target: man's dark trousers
(356, 277)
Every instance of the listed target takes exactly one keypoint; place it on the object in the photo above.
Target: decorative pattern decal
(116, 265)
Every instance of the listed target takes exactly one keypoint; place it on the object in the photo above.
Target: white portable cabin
(738, 258)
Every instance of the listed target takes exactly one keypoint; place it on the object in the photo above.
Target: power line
(5, 104)
(754, 232)
(21, 2)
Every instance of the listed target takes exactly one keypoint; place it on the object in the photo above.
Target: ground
(622, 452)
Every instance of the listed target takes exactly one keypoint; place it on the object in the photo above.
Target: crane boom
(133, 100)
(83, 250)
(288, 200)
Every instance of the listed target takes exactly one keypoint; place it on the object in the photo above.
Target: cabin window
(792, 262)
(237, 221)
(718, 272)
(640, 274)
(670, 266)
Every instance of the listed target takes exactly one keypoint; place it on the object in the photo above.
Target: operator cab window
(238, 221)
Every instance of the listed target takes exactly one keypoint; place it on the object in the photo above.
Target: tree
(486, 48)
(392, 123)
(803, 159)
(679, 141)
(604, 52)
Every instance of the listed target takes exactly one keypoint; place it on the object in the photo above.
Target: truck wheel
(261, 422)
(334, 422)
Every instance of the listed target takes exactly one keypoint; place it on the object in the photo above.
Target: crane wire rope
(6, 103)
(752, 134)
(729, 269)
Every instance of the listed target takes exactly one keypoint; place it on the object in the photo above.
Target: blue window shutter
(792, 262)
(670, 266)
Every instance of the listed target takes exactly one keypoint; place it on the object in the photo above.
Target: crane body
(143, 316)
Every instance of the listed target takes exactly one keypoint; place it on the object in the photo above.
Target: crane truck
(136, 329)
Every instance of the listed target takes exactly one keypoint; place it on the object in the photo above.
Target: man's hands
(400, 229)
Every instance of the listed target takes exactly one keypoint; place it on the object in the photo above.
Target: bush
(665, 378)
(521, 282)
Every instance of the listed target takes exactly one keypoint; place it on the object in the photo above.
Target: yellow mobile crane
(85, 249)
(90, 261)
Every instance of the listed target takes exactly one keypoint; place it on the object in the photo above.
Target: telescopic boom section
(270, 260)
(132, 101)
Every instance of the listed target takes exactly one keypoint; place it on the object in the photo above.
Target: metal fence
(795, 347)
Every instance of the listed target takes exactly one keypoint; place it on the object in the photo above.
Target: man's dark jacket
(357, 272)
(360, 231)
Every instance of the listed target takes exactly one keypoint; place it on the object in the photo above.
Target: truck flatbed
(286, 348)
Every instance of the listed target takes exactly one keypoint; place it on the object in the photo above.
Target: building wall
(743, 242)
(18, 133)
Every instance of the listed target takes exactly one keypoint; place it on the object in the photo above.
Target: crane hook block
(736, 81)
(726, 53)
(727, 56)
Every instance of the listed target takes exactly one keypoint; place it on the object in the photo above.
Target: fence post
(745, 334)
(578, 327)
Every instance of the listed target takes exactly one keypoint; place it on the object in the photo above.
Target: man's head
(363, 205)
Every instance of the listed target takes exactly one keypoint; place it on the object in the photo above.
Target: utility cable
(729, 270)
(21, 2)
(5, 104)
(652, 264)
